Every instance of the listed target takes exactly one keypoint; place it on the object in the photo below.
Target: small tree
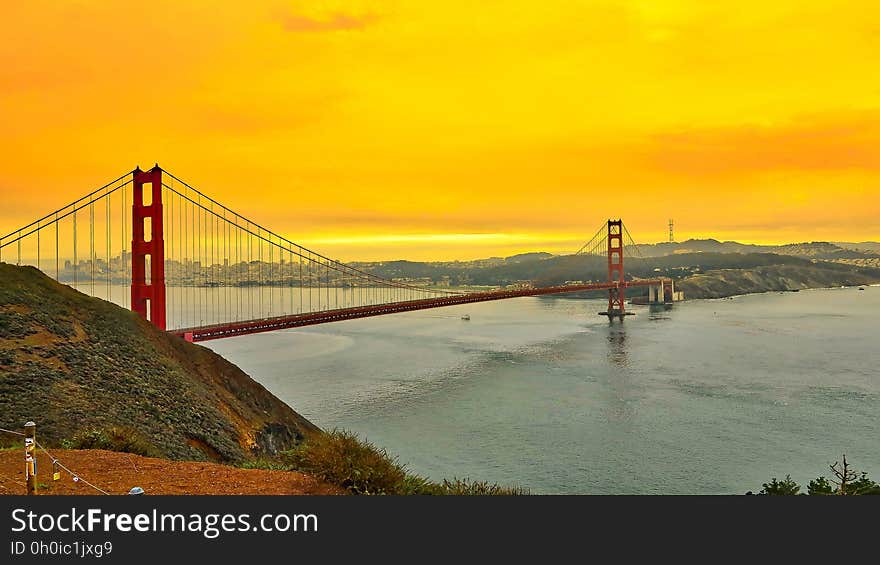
(820, 486)
(844, 477)
(786, 487)
(845, 481)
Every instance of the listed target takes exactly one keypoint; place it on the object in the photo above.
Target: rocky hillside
(729, 282)
(73, 363)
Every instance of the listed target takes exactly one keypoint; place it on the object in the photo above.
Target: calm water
(708, 397)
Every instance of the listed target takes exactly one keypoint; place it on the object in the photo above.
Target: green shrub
(265, 465)
(417, 485)
(14, 325)
(114, 438)
(481, 488)
(342, 459)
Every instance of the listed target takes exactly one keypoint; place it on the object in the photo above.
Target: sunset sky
(457, 129)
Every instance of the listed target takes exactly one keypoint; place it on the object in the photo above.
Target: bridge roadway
(205, 333)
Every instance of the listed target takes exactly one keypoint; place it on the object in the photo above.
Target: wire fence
(56, 464)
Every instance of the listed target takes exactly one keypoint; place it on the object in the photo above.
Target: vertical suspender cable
(215, 285)
(168, 226)
(270, 276)
(107, 242)
(181, 258)
(250, 294)
(212, 276)
(57, 259)
(123, 231)
(238, 273)
(199, 267)
(260, 266)
(92, 248)
(226, 263)
(75, 266)
(290, 282)
(192, 264)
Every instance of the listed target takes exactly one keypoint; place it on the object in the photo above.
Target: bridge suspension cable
(219, 273)
(274, 277)
(219, 265)
(596, 245)
(631, 248)
(61, 232)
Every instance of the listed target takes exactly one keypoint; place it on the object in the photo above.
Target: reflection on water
(544, 393)
(617, 343)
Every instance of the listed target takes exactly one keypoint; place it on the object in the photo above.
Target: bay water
(708, 396)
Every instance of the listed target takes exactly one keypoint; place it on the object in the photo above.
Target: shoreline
(769, 291)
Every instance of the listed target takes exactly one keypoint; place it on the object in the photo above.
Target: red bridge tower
(616, 294)
(148, 296)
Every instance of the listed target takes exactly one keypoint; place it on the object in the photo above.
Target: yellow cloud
(348, 120)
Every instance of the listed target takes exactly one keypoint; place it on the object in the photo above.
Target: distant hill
(864, 246)
(546, 269)
(730, 282)
(528, 257)
(814, 250)
(71, 362)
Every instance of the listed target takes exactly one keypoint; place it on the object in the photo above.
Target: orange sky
(457, 129)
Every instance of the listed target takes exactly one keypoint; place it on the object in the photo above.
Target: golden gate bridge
(180, 254)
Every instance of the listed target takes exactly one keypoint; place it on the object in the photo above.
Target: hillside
(545, 270)
(720, 283)
(863, 246)
(812, 250)
(73, 363)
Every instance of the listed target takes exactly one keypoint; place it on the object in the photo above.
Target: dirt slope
(117, 473)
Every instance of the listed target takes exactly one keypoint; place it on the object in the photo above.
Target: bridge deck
(231, 329)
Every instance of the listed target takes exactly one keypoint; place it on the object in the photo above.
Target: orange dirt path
(116, 473)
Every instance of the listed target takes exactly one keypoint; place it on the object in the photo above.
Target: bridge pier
(663, 293)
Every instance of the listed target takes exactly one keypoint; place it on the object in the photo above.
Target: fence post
(30, 462)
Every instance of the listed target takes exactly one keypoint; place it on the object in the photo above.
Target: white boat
(466, 317)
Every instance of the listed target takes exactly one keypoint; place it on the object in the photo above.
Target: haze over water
(713, 396)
